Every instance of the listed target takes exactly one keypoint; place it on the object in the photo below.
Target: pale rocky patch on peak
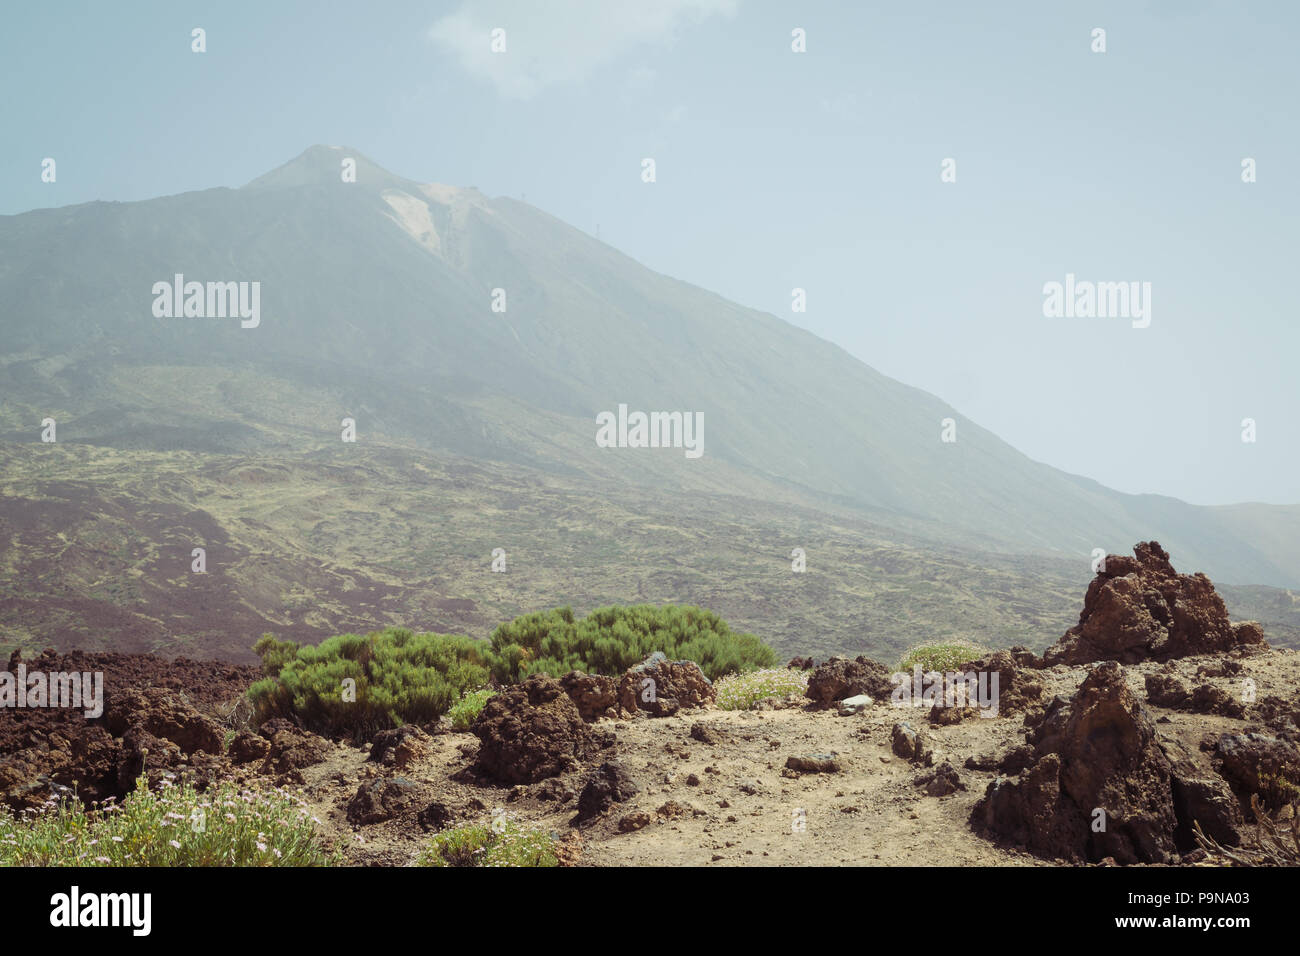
(415, 219)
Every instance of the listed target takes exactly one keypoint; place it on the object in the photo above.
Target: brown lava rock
(529, 732)
(160, 713)
(840, 677)
(1098, 752)
(594, 695)
(1140, 608)
(660, 687)
(378, 800)
(399, 747)
(146, 727)
(609, 784)
(248, 748)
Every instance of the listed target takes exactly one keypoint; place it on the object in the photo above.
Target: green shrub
(944, 657)
(482, 844)
(464, 711)
(274, 653)
(610, 640)
(401, 678)
(170, 826)
(743, 691)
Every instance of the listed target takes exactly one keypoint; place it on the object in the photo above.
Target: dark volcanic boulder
(274, 725)
(144, 754)
(378, 800)
(1166, 690)
(529, 732)
(1031, 812)
(1201, 796)
(400, 746)
(608, 785)
(95, 755)
(1267, 764)
(1140, 608)
(292, 749)
(1208, 699)
(1019, 689)
(1278, 712)
(813, 763)
(910, 745)
(941, 781)
(1016, 689)
(661, 687)
(1098, 753)
(840, 677)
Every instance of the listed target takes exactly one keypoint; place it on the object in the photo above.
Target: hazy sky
(777, 170)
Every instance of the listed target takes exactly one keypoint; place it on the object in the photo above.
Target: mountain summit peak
(320, 165)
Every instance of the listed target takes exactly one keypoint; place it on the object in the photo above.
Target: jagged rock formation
(1096, 779)
(1140, 608)
(1097, 752)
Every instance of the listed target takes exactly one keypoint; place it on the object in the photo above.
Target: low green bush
(275, 653)
(399, 678)
(611, 639)
(463, 712)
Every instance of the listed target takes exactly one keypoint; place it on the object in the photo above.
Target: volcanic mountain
(473, 342)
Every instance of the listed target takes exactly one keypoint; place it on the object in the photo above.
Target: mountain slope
(376, 304)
